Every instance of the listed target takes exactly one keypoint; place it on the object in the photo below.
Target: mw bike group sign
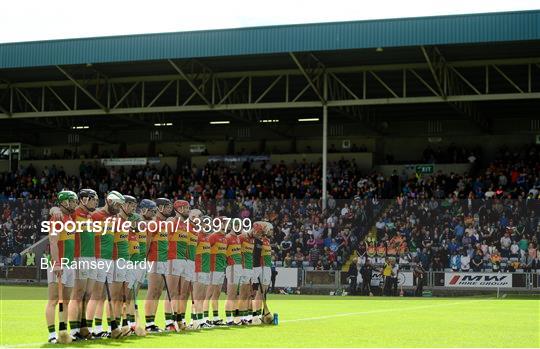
(482, 280)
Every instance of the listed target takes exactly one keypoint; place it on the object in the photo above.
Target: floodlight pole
(325, 143)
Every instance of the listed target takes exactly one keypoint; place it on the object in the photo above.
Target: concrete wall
(71, 167)
(363, 160)
(387, 170)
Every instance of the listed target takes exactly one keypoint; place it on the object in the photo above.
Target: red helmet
(180, 203)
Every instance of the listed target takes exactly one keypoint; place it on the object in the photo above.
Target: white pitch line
(379, 311)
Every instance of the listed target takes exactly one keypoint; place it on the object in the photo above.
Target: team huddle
(186, 262)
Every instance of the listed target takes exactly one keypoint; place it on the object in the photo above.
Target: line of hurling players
(188, 264)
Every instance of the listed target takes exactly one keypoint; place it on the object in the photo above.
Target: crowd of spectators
(459, 222)
(439, 219)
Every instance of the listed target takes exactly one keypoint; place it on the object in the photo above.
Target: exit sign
(424, 169)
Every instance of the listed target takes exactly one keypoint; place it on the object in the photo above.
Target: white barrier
(287, 277)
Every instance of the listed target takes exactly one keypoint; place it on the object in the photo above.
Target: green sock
(98, 322)
(228, 313)
(215, 313)
(182, 316)
(124, 322)
(168, 316)
(200, 316)
(74, 324)
(89, 323)
(118, 320)
(51, 329)
(206, 313)
(149, 318)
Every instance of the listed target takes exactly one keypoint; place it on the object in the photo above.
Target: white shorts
(203, 278)
(67, 279)
(102, 273)
(263, 274)
(86, 270)
(247, 276)
(217, 278)
(120, 272)
(159, 268)
(135, 275)
(189, 271)
(266, 276)
(177, 267)
(234, 274)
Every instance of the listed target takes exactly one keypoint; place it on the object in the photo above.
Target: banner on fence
(478, 280)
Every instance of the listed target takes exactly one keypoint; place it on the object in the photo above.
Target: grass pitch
(315, 321)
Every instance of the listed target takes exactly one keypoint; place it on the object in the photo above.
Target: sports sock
(98, 326)
(216, 315)
(83, 323)
(125, 322)
(75, 326)
(88, 323)
(149, 320)
(168, 319)
(229, 316)
(52, 331)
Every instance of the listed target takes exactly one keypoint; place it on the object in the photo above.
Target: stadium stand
(477, 221)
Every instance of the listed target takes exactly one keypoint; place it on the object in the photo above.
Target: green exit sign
(424, 169)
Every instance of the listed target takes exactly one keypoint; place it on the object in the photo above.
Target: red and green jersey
(104, 239)
(266, 254)
(85, 243)
(159, 247)
(218, 251)
(133, 246)
(137, 245)
(121, 244)
(234, 251)
(202, 254)
(247, 245)
(178, 240)
(193, 238)
(66, 241)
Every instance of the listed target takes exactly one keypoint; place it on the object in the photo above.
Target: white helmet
(116, 197)
(195, 213)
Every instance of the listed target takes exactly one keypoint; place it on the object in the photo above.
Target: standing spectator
(419, 273)
(30, 258)
(465, 262)
(366, 272)
(506, 242)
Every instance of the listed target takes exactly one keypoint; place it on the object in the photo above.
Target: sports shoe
(206, 325)
(77, 337)
(245, 322)
(170, 328)
(102, 334)
(53, 340)
(153, 329)
(218, 323)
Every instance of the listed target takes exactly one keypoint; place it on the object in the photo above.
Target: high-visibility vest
(30, 259)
